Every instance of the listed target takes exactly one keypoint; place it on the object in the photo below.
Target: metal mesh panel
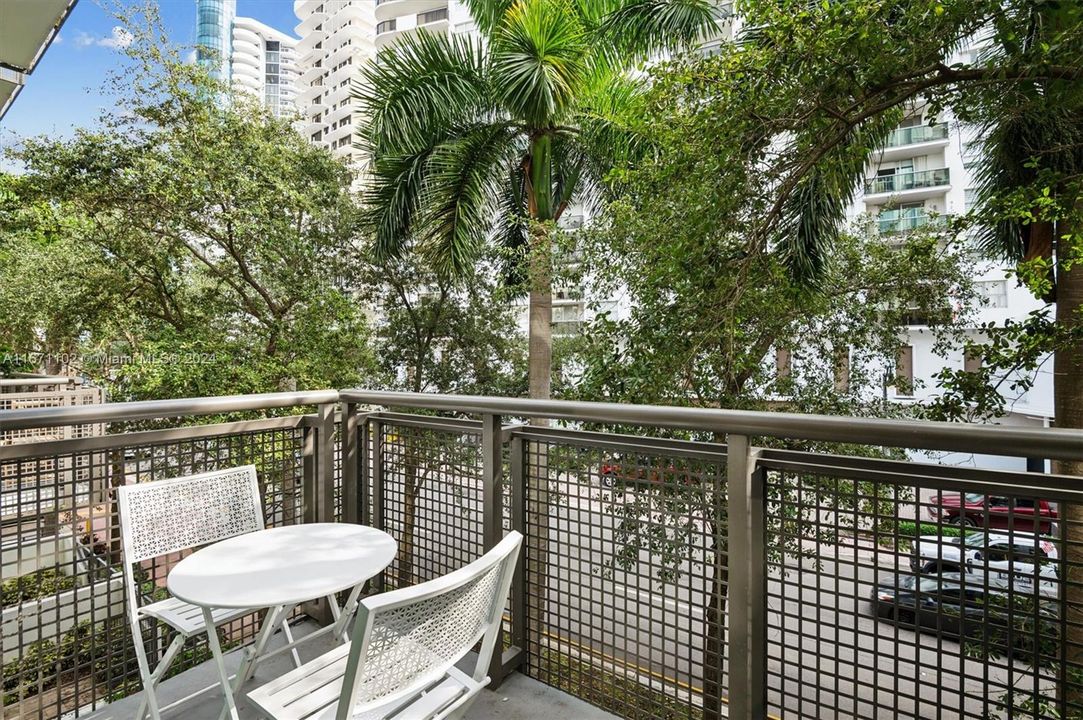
(431, 489)
(14, 493)
(626, 575)
(66, 643)
(887, 597)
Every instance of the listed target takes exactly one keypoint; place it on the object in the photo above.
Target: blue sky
(64, 91)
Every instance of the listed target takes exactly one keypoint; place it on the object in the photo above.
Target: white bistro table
(280, 568)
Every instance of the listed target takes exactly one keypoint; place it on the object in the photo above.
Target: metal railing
(661, 577)
(916, 134)
(907, 181)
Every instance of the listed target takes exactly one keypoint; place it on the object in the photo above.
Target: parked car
(1008, 560)
(956, 604)
(1003, 513)
(638, 469)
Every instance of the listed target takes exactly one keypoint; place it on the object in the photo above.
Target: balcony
(910, 185)
(895, 223)
(619, 610)
(387, 26)
(432, 17)
(386, 9)
(910, 142)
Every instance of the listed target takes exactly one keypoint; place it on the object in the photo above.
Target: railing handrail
(158, 409)
(1053, 443)
(918, 434)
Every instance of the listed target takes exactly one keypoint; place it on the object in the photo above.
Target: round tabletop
(281, 566)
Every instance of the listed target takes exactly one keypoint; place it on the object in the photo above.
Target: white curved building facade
(252, 57)
(336, 38)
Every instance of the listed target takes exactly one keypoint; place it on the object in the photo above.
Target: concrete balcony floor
(519, 698)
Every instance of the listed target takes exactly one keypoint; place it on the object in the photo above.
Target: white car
(1006, 561)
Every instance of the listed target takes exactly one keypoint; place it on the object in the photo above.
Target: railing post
(352, 455)
(746, 592)
(319, 486)
(492, 516)
(517, 650)
(376, 512)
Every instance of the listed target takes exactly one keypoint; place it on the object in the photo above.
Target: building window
(904, 371)
(970, 198)
(972, 361)
(842, 370)
(783, 363)
(995, 292)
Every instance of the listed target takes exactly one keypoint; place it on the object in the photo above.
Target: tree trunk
(1068, 413)
(540, 351)
(714, 648)
(411, 489)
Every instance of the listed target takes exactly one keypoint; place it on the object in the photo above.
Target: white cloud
(119, 38)
(190, 57)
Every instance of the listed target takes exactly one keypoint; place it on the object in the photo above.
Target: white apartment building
(252, 57)
(263, 64)
(337, 36)
(926, 171)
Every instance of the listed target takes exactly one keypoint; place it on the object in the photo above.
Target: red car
(972, 509)
(637, 470)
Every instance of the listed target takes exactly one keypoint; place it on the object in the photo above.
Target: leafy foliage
(193, 245)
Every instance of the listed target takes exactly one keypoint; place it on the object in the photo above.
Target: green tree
(500, 134)
(193, 244)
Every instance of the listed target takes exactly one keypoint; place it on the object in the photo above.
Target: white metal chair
(167, 516)
(401, 661)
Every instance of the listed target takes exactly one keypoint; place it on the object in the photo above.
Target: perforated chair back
(407, 639)
(166, 516)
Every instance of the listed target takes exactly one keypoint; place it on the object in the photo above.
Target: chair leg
(230, 707)
(150, 699)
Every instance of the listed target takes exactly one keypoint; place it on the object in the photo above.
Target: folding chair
(401, 661)
(167, 516)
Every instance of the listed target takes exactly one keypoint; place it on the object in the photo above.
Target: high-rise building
(336, 38)
(250, 56)
(214, 35)
(924, 173)
(264, 64)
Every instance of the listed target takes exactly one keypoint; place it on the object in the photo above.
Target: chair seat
(312, 691)
(187, 619)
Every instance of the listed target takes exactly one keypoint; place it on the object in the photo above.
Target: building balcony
(310, 23)
(910, 185)
(309, 41)
(387, 26)
(894, 223)
(433, 20)
(639, 598)
(386, 9)
(913, 141)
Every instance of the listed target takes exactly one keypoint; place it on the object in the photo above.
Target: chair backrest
(165, 516)
(406, 639)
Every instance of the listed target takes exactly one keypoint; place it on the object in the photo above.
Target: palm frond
(510, 235)
(462, 189)
(391, 199)
(488, 14)
(815, 210)
(418, 88)
(608, 121)
(642, 27)
(539, 56)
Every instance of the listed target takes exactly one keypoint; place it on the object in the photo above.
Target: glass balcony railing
(916, 134)
(385, 26)
(907, 181)
(893, 224)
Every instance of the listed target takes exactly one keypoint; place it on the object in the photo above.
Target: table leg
(248, 661)
(348, 609)
(216, 651)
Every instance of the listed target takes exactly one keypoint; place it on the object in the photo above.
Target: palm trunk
(1068, 413)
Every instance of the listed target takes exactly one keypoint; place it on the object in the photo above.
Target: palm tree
(474, 138)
